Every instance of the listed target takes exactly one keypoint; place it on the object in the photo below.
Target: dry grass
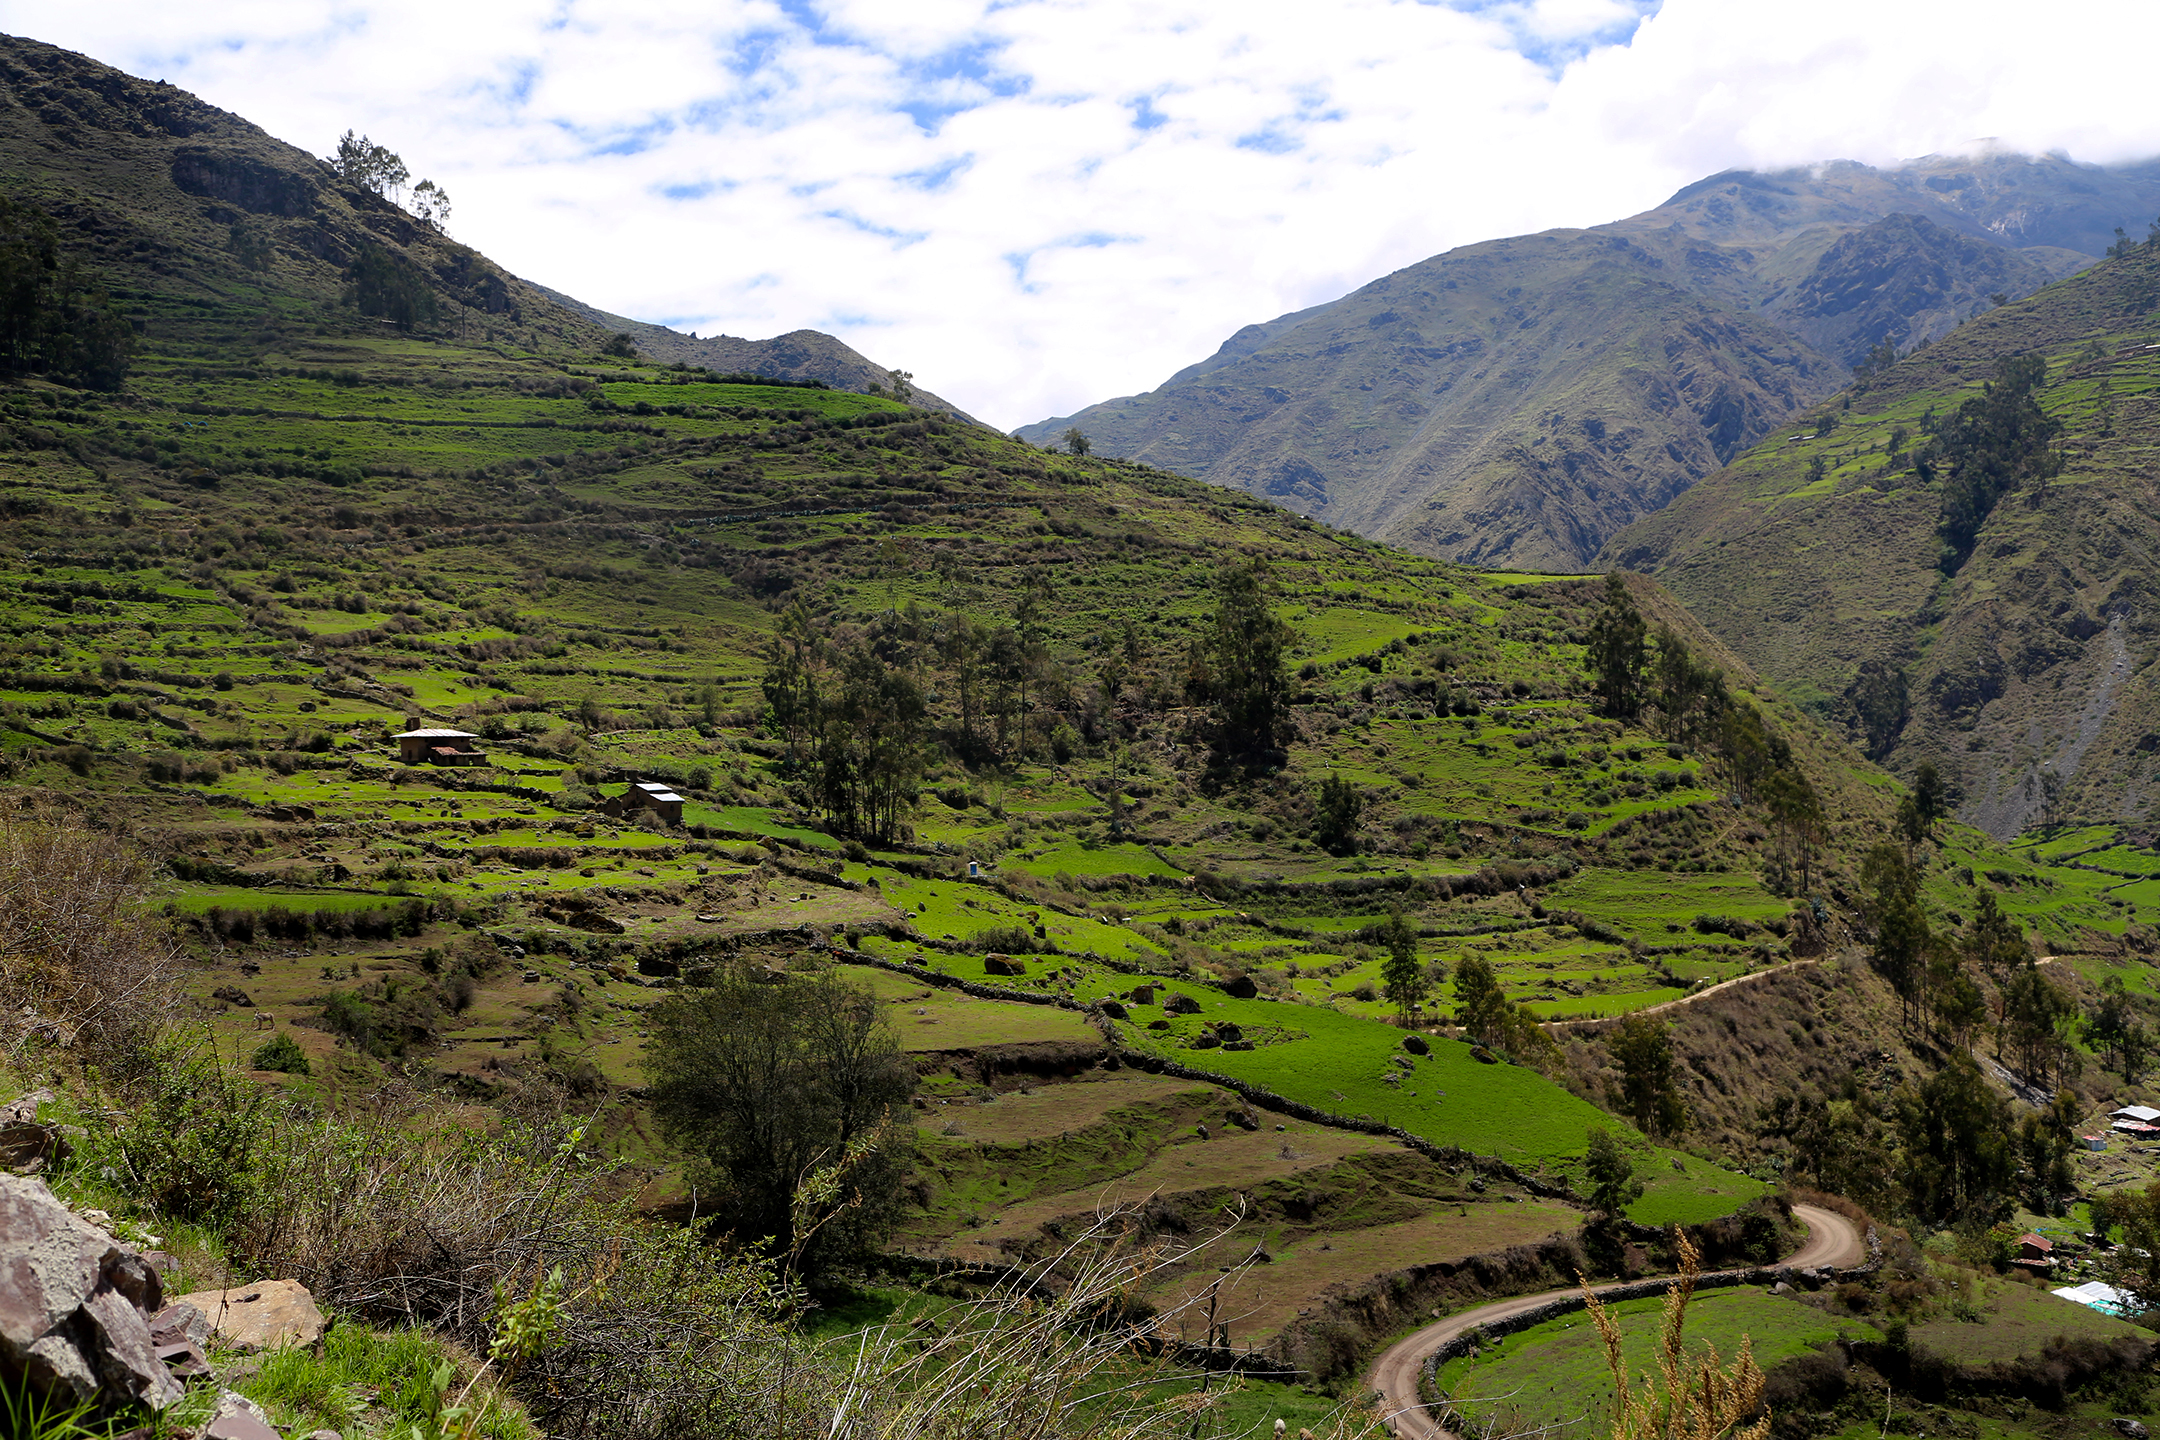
(658, 1335)
(1692, 1397)
(661, 1334)
(1068, 1352)
(83, 960)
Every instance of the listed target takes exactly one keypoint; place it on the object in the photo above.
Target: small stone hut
(439, 747)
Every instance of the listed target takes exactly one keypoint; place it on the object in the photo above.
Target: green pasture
(1338, 1062)
(1555, 1376)
(201, 899)
(1659, 906)
(1088, 858)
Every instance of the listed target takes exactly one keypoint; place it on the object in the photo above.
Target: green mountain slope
(1518, 401)
(2025, 674)
(178, 201)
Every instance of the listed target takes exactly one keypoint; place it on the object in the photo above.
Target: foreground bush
(83, 961)
(653, 1332)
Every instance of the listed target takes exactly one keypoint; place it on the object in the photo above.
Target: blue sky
(1036, 204)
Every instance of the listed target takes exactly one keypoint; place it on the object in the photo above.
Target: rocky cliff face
(1515, 403)
(1901, 281)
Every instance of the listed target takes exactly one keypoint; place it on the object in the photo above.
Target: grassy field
(1555, 1374)
(1259, 1300)
(2011, 1318)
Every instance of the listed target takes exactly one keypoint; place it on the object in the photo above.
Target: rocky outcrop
(76, 1306)
(27, 1145)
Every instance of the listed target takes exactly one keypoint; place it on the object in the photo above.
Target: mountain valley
(447, 727)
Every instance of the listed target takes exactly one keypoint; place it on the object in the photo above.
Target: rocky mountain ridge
(1515, 402)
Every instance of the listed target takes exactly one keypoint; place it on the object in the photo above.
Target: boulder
(1240, 987)
(184, 1320)
(233, 995)
(1114, 1010)
(1416, 1045)
(27, 1147)
(72, 1302)
(1003, 965)
(264, 1316)
(595, 922)
(1227, 1031)
(2130, 1429)
(1177, 1003)
(1141, 995)
(24, 1109)
(181, 1334)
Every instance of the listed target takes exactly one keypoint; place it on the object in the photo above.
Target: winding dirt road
(1690, 998)
(1832, 1240)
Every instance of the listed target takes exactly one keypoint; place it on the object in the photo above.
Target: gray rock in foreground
(74, 1306)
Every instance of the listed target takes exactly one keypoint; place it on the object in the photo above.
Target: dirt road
(1689, 999)
(1832, 1240)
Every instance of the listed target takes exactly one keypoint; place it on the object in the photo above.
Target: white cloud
(1035, 205)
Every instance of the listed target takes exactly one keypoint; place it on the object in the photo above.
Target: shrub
(389, 1017)
(282, 1054)
(83, 952)
(1335, 816)
(190, 1135)
(1010, 940)
(654, 1333)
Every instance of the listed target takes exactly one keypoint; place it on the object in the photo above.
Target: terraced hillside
(1166, 781)
(583, 565)
(2014, 658)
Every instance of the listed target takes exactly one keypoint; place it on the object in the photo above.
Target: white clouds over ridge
(1035, 205)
